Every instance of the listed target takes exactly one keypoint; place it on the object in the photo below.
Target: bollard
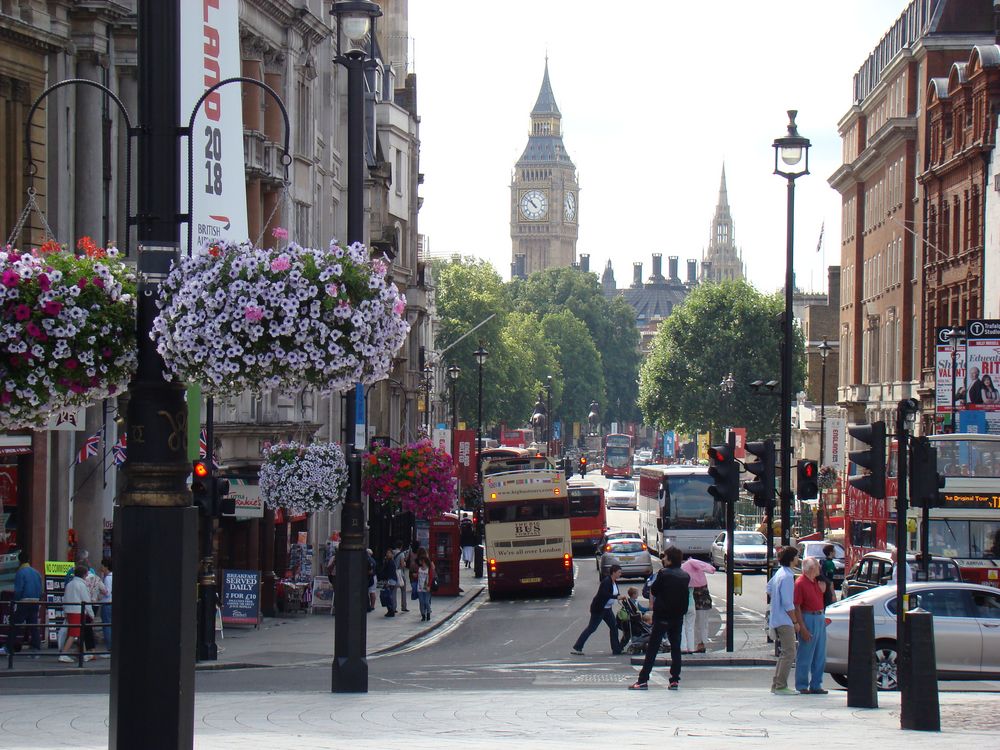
(861, 689)
(919, 707)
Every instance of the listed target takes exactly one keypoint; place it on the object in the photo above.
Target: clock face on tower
(534, 205)
(569, 206)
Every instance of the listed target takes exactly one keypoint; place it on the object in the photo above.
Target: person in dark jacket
(668, 595)
(600, 609)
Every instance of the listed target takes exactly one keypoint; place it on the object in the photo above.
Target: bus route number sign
(527, 528)
(985, 500)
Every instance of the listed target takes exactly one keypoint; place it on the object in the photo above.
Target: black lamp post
(480, 354)
(355, 18)
(727, 386)
(824, 352)
(428, 386)
(453, 373)
(953, 336)
(791, 160)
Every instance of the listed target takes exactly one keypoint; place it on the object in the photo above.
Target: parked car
(966, 630)
(749, 550)
(621, 494)
(815, 549)
(875, 569)
(631, 553)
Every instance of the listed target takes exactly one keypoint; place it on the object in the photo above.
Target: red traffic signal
(809, 470)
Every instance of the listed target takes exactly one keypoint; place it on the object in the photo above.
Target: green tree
(611, 325)
(720, 328)
(580, 362)
(517, 379)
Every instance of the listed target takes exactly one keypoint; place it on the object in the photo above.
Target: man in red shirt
(811, 656)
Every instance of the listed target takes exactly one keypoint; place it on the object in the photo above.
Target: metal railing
(81, 655)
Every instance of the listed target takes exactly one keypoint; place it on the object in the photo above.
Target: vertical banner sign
(359, 416)
(982, 372)
(833, 448)
(210, 47)
(703, 446)
(556, 430)
(948, 386)
(669, 446)
(741, 441)
(441, 439)
(465, 456)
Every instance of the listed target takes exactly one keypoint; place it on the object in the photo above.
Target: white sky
(649, 115)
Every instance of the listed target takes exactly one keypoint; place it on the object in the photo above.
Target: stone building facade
(544, 193)
(882, 256)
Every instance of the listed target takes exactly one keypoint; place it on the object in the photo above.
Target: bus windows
(584, 505)
(534, 511)
(863, 534)
(688, 498)
(949, 538)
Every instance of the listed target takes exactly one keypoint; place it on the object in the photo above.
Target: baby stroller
(635, 632)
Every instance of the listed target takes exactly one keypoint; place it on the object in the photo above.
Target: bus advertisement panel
(675, 509)
(617, 456)
(528, 537)
(587, 514)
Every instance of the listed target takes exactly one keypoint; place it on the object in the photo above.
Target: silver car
(631, 554)
(620, 494)
(966, 630)
(749, 551)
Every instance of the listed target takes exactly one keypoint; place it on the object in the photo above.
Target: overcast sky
(653, 101)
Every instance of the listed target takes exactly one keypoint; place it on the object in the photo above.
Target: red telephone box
(445, 553)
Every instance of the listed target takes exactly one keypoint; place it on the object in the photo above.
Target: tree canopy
(720, 328)
(583, 377)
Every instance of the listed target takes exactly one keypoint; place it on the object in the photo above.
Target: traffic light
(807, 488)
(223, 504)
(726, 474)
(201, 487)
(583, 466)
(873, 459)
(925, 482)
(761, 489)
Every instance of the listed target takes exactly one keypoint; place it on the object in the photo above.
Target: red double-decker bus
(617, 456)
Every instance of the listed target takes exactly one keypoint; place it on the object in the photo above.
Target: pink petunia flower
(52, 308)
(44, 283)
(279, 233)
(10, 278)
(71, 363)
(82, 283)
(253, 314)
(22, 312)
(281, 263)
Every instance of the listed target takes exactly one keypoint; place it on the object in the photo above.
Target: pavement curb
(712, 661)
(212, 666)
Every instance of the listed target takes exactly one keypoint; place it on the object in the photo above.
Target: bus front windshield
(690, 504)
(616, 458)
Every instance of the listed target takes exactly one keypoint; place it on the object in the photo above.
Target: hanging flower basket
(303, 478)
(827, 479)
(67, 330)
(241, 318)
(417, 478)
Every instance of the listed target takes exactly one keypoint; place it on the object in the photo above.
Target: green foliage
(580, 362)
(720, 328)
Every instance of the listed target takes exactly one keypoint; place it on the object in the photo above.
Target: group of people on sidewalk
(399, 568)
(679, 601)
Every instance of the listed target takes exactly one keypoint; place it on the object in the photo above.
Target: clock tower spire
(544, 193)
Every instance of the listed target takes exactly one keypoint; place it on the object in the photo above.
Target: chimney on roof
(585, 262)
(692, 270)
(672, 265)
(657, 266)
(706, 270)
(637, 274)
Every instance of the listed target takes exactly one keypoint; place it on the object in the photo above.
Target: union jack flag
(203, 448)
(118, 450)
(90, 447)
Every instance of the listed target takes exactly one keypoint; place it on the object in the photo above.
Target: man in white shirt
(895, 568)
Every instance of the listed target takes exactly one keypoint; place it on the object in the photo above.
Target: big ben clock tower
(544, 194)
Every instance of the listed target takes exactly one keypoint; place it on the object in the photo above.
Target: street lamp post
(480, 354)
(824, 352)
(355, 18)
(453, 373)
(953, 336)
(727, 386)
(791, 160)
(428, 385)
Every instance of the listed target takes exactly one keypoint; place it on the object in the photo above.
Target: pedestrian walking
(811, 657)
(387, 575)
(696, 621)
(669, 595)
(467, 540)
(426, 584)
(76, 608)
(600, 610)
(372, 580)
(107, 578)
(97, 592)
(827, 573)
(27, 588)
(402, 574)
(784, 619)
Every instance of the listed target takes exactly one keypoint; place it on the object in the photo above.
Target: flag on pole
(119, 449)
(203, 448)
(90, 447)
(819, 245)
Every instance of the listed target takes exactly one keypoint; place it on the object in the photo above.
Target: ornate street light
(791, 161)
(355, 22)
(480, 354)
(453, 372)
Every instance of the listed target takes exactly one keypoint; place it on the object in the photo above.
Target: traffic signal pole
(730, 546)
(208, 650)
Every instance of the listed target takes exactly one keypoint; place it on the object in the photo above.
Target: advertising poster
(741, 441)
(982, 365)
(669, 444)
(947, 385)
(464, 453)
(240, 597)
(246, 494)
(210, 47)
(441, 438)
(55, 585)
(703, 446)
